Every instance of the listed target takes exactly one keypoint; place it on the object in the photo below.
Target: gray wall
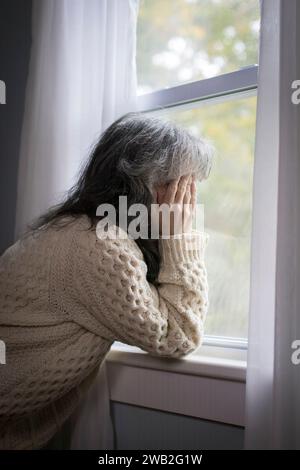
(143, 429)
(15, 41)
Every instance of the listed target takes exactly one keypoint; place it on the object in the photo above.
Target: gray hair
(162, 150)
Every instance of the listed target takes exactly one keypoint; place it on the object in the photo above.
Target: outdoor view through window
(187, 40)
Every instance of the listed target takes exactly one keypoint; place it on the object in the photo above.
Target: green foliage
(227, 199)
(188, 40)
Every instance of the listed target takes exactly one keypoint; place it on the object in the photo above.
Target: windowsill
(208, 384)
(208, 361)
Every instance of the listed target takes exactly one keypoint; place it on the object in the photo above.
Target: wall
(140, 429)
(15, 41)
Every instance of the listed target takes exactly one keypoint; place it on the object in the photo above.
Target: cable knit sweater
(65, 297)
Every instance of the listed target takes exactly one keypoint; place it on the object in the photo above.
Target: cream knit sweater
(65, 297)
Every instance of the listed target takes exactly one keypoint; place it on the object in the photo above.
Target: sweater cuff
(186, 247)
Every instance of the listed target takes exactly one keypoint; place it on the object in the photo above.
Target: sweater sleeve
(166, 320)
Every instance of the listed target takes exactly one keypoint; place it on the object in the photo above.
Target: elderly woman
(70, 288)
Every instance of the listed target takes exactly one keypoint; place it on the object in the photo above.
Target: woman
(67, 292)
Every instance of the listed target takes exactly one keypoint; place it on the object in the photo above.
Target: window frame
(239, 81)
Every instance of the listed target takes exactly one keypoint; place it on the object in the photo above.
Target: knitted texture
(65, 296)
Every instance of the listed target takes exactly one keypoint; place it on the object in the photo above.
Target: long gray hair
(132, 155)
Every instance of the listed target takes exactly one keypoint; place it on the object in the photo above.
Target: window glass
(186, 40)
(227, 199)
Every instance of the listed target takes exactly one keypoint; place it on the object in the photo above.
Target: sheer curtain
(273, 380)
(82, 76)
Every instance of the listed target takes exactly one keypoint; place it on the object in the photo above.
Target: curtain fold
(91, 426)
(273, 379)
(82, 76)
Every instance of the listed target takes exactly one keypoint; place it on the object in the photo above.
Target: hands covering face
(180, 196)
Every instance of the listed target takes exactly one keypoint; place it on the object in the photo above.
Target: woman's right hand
(180, 197)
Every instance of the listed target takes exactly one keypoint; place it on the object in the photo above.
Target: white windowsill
(208, 361)
(209, 384)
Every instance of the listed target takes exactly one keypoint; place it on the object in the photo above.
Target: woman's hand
(180, 197)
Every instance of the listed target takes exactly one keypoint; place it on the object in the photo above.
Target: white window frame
(239, 81)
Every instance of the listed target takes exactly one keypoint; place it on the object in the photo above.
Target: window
(226, 196)
(196, 65)
(179, 41)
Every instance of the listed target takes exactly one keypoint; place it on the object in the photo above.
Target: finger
(186, 204)
(161, 195)
(181, 189)
(171, 192)
(193, 193)
(187, 195)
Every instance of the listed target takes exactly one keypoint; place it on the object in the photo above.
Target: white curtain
(82, 76)
(273, 380)
(91, 427)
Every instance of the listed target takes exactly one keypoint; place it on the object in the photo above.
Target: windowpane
(227, 199)
(186, 40)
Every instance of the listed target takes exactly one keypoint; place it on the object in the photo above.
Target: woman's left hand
(180, 196)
